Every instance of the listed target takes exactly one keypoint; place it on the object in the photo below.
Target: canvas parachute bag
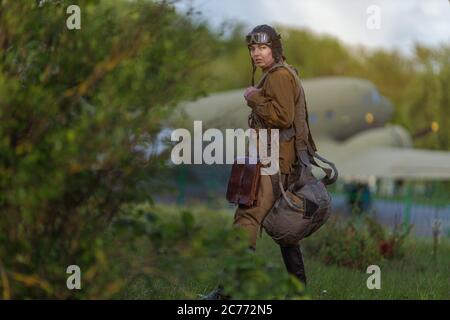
(305, 205)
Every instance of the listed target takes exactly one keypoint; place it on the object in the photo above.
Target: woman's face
(261, 55)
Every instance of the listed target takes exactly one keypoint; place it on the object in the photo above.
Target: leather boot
(293, 260)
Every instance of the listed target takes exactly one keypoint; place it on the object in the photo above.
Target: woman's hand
(250, 91)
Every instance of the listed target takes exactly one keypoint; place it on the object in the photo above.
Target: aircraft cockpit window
(376, 97)
(329, 114)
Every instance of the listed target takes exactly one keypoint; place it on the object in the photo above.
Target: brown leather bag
(244, 183)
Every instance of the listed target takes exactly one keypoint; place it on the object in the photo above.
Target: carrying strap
(311, 147)
(283, 192)
(328, 179)
(288, 133)
(266, 73)
(254, 121)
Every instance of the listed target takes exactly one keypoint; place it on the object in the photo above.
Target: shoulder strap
(312, 150)
(329, 178)
(253, 119)
(265, 74)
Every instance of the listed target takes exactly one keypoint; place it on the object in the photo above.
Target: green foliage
(204, 249)
(415, 276)
(74, 104)
(427, 98)
(356, 243)
(210, 254)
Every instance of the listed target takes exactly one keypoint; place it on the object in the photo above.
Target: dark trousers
(250, 219)
(293, 260)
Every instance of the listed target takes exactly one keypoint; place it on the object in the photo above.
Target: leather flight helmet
(265, 34)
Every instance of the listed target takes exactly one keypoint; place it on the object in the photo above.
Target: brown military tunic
(275, 104)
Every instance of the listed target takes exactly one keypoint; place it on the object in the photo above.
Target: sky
(402, 23)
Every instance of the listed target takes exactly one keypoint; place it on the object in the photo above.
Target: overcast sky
(402, 22)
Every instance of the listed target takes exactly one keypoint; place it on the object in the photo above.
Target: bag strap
(283, 192)
(266, 73)
(253, 119)
(312, 150)
(328, 179)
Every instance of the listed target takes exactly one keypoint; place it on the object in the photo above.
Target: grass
(415, 276)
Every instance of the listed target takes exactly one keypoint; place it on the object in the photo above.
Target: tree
(74, 104)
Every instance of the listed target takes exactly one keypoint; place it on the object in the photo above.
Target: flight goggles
(259, 37)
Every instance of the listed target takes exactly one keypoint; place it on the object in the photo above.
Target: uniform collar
(268, 67)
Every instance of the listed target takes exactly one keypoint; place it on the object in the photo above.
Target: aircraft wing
(220, 110)
(389, 162)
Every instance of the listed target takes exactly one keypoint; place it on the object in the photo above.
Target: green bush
(74, 104)
(356, 242)
(198, 250)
